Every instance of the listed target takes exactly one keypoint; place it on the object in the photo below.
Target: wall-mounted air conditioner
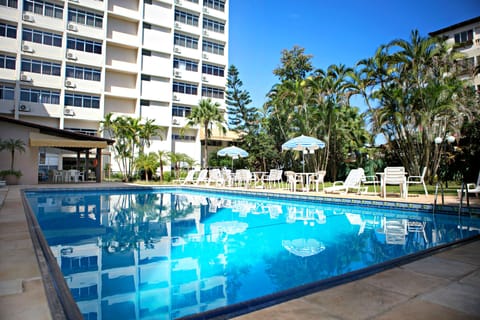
(205, 10)
(205, 32)
(204, 79)
(177, 25)
(76, 1)
(23, 108)
(178, 2)
(27, 48)
(28, 17)
(175, 98)
(205, 56)
(175, 122)
(70, 84)
(177, 50)
(71, 56)
(68, 112)
(177, 74)
(72, 27)
(26, 78)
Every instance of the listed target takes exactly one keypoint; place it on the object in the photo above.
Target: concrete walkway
(443, 286)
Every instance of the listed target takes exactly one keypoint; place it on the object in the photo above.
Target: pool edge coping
(63, 306)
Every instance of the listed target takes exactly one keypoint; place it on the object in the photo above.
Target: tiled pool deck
(445, 285)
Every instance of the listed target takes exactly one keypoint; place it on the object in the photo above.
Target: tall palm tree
(147, 162)
(163, 158)
(205, 114)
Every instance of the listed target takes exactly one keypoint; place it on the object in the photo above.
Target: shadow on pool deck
(442, 286)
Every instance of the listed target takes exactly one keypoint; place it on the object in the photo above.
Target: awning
(45, 140)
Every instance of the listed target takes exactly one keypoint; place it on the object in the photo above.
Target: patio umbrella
(303, 143)
(303, 247)
(233, 152)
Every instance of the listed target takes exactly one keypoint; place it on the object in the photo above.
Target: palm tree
(12, 145)
(205, 114)
(163, 158)
(148, 163)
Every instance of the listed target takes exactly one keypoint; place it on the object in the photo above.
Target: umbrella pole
(303, 162)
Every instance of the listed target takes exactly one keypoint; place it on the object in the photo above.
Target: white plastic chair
(471, 187)
(318, 178)
(353, 181)
(418, 180)
(395, 176)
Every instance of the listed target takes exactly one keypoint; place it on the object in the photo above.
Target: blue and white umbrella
(233, 152)
(303, 143)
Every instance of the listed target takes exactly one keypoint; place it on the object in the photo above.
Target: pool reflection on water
(170, 254)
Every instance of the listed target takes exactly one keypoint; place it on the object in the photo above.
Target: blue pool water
(168, 253)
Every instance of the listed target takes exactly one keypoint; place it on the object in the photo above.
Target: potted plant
(11, 175)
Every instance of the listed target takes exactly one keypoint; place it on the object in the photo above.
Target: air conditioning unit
(205, 32)
(28, 17)
(26, 78)
(177, 25)
(177, 74)
(205, 56)
(178, 2)
(23, 108)
(205, 10)
(70, 84)
(72, 27)
(68, 112)
(76, 1)
(175, 98)
(177, 50)
(27, 48)
(175, 122)
(71, 56)
(204, 79)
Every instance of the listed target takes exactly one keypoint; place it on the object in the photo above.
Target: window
(42, 67)
(82, 73)
(7, 92)
(7, 62)
(8, 30)
(215, 4)
(39, 95)
(181, 111)
(186, 18)
(47, 38)
(178, 137)
(9, 3)
(213, 70)
(185, 41)
(184, 64)
(466, 65)
(84, 45)
(464, 36)
(82, 101)
(186, 88)
(213, 47)
(212, 25)
(212, 92)
(44, 8)
(85, 18)
(90, 132)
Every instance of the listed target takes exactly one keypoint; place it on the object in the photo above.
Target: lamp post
(441, 143)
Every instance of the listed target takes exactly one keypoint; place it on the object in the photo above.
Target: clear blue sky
(334, 32)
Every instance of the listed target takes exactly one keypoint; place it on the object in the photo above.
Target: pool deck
(445, 285)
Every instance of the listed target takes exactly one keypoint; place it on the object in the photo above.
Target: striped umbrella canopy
(303, 143)
(233, 152)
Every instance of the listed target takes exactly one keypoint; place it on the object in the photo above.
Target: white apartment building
(465, 38)
(66, 64)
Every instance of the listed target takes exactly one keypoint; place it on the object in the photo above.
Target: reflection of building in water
(122, 276)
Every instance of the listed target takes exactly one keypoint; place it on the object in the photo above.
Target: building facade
(67, 64)
(464, 37)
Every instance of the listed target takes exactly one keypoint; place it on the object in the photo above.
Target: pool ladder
(460, 204)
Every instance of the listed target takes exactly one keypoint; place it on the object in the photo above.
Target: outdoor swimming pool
(170, 253)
